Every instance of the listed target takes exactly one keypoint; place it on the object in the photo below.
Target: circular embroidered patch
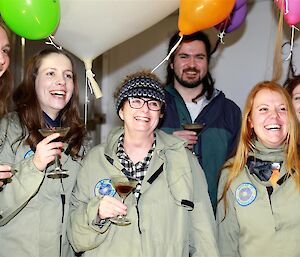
(28, 154)
(245, 194)
(104, 187)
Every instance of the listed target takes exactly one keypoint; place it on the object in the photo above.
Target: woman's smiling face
(139, 120)
(268, 118)
(54, 83)
(4, 51)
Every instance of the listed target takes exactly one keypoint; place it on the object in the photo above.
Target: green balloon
(34, 19)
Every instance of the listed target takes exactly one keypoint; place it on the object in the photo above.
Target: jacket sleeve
(82, 232)
(228, 227)
(24, 184)
(16, 194)
(203, 226)
(234, 123)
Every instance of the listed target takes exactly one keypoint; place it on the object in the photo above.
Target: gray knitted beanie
(141, 85)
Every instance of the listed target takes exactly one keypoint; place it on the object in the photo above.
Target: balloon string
(292, 42)
(216, 47)
(168, 56)
(86, 102)
(51, 37)
(221, 35)
(286, 2)
(286, 7)
(89, 73)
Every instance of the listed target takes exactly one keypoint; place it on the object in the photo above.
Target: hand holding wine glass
(58, 171)
(196, 128)
(111, 207)
(46, 150)
(188, 135)
(124, 186)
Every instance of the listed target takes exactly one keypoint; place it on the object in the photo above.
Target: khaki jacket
(161, 225)
(256, 225)
(33, 207)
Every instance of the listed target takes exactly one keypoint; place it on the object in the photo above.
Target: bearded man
(192, 98)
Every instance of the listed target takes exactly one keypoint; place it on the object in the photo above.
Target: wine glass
(124, 186)
(57, 172)
(196, 127)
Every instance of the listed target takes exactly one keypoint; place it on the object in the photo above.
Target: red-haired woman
(258, 213)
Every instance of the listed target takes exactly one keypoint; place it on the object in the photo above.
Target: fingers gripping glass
(58, 171)
(124, 186)
(13, 171)
(138, 103)
(196, 127)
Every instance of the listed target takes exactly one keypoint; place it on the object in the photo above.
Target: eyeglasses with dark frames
(138, 103)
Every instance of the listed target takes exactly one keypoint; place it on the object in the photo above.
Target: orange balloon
(195, 15)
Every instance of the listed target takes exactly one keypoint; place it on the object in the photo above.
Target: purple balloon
(236, 18)
(239, 4)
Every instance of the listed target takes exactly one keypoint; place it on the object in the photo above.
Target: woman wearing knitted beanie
(169, 210)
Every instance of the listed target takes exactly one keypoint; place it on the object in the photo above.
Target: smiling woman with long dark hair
(34, 206)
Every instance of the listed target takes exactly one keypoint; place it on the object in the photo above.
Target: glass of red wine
(124, 186)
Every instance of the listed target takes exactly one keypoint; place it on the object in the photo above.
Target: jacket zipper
(63, 202)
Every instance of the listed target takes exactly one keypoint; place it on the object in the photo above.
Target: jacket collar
(164, 142)
(171, 89)
(177, 171)
(267, 154)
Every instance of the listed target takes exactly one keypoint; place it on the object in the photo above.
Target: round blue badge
(28, 154)
(104, 187)
(245, 194)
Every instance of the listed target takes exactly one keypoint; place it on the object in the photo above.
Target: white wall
(245, 59)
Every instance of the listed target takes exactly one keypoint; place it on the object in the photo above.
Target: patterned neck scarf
(262, 169)
(137, 170)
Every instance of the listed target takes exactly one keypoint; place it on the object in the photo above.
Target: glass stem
(57, 162)
(122, 216)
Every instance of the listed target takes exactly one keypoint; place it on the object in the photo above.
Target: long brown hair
(245, 145)
(31, 114)
(6, 82)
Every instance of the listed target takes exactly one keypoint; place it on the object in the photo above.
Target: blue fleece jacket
(217, 140)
